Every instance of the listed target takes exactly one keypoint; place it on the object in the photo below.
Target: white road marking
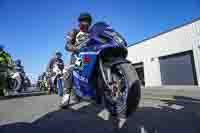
(104, 114)
(177, 107)
(80, 105)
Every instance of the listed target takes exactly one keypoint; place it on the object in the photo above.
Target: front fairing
(99, 48)
(83, 71)
(84, 67)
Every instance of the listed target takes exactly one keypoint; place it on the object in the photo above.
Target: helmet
(1, 47)
(58, 54)
(85, 17)
(18, 62)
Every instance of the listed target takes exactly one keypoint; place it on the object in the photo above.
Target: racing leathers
(71, 45)
(57, 61)
(5, 61)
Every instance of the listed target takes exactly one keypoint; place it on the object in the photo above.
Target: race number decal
(78, 62)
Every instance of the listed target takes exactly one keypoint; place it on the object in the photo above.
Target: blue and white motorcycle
(57, 79)
(103, 73)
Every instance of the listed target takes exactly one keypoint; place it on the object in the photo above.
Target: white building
(169, 58)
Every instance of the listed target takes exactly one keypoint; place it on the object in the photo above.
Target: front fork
(117, 122)
(107, 80)
(110, 80)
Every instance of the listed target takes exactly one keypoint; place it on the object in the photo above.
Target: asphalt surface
(40, 114)
(172, 92)
(31, 91)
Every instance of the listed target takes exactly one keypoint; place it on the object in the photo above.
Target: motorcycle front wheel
(123, 95)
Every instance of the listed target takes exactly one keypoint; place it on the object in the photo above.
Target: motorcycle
(16, 83)
(4, 74)
(26, 83)
(12, 81)
(42, 82)
(101, 71)
(57, 79)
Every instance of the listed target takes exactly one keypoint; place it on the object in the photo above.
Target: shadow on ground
(161, 119)
(186, 98)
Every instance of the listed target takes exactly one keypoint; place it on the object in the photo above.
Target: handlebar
(83, 44)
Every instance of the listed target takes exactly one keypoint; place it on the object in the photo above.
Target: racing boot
(65, 100)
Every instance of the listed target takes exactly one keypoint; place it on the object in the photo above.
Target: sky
(32, 30)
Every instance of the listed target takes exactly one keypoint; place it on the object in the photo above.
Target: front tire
(127, 97)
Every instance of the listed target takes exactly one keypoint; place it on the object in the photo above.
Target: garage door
(178, 69)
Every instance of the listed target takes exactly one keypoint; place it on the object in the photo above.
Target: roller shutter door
(178, 69)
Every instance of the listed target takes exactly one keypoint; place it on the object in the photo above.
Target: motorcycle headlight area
(118, 39)
(116, 36)
(103, 39)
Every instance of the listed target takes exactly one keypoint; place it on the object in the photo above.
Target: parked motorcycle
(102, 71)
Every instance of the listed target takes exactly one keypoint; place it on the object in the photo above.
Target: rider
(5, 58)
(57, 59)
(72, 39)
(19, 67)
(5, 61)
